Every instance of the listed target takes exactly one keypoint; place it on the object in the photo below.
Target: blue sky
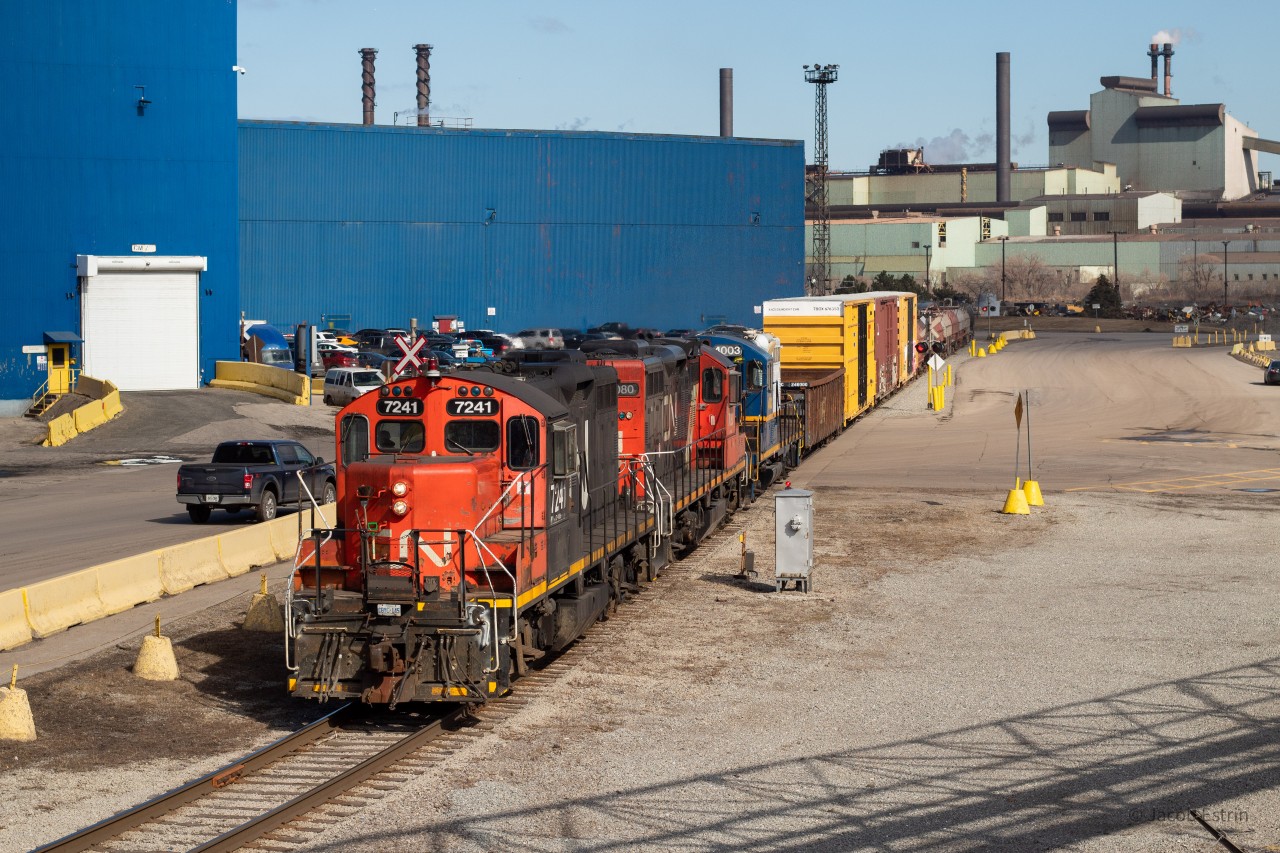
(911, 74)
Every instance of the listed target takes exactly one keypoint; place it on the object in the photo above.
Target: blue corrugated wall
(83, 173)
(387, 223)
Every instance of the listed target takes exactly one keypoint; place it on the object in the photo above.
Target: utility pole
(1004, 289)
(820, 270)
(1225, 260)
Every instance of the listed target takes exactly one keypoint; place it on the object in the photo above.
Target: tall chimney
(424, 84)
(1168, 70)
(366, 78)
(726, 102)
(1154, 53)
(1004, 169)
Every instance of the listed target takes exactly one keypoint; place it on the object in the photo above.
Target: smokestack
(424, 84)
(1168, 70)
(726, 102)
(366, 78)
(1004, 170)
(1154, 53)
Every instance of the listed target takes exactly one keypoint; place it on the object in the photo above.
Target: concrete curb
(48, 607)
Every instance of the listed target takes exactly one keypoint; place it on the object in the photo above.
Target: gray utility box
(793, 539)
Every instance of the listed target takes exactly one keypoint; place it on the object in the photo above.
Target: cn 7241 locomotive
(489, 516)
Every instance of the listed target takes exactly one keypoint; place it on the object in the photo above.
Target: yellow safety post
(265, 612)
(155, 659)
(1016, 503)
(950, 377)
(16, 722)
(982, 353)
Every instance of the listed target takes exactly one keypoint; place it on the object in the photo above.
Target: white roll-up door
(141, 322)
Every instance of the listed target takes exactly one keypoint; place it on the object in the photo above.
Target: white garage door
(141, 322)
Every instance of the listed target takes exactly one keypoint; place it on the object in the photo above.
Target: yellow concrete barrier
(61, 430)
(14, 629)
(264, 379)
(186, 566)
(58, 603)
(126, 583)
(89, 416)
(244, 548)
(111, 405)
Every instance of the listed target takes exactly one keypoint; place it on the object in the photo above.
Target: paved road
(1110, 411)
(67, 508)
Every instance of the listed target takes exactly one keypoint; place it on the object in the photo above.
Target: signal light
(938, 347)
(400, 507)
(922, 347)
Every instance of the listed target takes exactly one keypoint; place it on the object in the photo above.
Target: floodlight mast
(818, 282)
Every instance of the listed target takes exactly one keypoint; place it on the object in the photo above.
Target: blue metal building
(118, 131)
(380, 224)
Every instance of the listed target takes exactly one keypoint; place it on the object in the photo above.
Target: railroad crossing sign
(937, 362)
(410, 350)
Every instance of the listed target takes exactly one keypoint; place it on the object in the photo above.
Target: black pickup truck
(257, 475)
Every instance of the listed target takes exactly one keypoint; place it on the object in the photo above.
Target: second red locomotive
(491, 515)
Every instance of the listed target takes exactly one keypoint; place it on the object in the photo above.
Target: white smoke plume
(1174, 36)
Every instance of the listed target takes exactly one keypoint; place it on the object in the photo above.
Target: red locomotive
(489, 516)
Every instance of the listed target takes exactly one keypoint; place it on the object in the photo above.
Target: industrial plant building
(139, 244)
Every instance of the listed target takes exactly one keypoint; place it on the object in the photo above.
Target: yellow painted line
(1224, 480)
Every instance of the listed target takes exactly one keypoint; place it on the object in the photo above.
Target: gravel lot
(959, 679)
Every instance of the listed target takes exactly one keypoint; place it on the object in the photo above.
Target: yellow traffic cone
(1032, 490)
(155, 659)
(1016, 503)
(16, 722)
(982, 353)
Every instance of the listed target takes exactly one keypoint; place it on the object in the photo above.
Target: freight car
(489, 516)
(871, 336)
(952, 326)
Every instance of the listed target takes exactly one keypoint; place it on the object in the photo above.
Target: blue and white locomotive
(767, 418)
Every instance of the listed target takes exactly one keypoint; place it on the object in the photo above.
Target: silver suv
(541, 338)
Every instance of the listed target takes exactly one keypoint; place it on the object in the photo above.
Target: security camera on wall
(239, 68)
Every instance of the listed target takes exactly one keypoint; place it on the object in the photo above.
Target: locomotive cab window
(400, 437)
(712, 385)
(355, 439)
(471, 436)
(522, 443)
(564, 449)
(755, 375)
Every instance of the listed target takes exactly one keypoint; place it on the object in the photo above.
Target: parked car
(541, 338)
(1271, 376)
(257, 475)
(498, 344)
(344, 384)
(681, 333)
(375, 361)
(339, 358)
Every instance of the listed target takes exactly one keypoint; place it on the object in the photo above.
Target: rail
(131, 819)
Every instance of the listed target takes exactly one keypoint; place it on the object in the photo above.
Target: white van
(344, 384)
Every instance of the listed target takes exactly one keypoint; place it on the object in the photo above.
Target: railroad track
(265, 790)
(286, 792)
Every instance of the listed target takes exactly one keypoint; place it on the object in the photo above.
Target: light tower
(818, 280)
